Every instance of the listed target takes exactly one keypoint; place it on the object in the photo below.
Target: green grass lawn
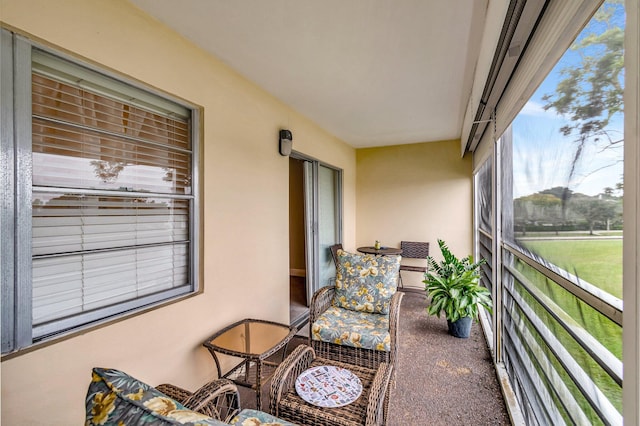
(598, 262)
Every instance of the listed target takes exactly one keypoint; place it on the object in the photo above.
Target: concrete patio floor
(441, 379)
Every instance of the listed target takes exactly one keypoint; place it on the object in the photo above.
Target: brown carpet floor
(441, 380)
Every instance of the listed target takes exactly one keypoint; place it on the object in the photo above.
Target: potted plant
(454, 288)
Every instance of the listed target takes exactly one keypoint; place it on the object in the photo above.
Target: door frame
(311, 205)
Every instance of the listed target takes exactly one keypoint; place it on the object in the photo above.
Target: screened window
(568, 158)
(563, 231)
(484, 217)
(112, 197)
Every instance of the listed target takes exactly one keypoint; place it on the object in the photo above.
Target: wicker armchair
(346, 331)
(369, 358)
(369, 409)
(218, 399)
(334, 252)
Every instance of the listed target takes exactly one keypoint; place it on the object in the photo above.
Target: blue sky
(542, 156)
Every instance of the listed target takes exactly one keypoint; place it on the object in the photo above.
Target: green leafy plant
(454, 288)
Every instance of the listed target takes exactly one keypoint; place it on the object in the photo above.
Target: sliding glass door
(323, 225)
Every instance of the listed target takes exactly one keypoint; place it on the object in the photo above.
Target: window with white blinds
(111, 193)
(111, 196)
(113, 199)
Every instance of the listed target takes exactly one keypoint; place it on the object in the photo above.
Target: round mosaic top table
(328, 386)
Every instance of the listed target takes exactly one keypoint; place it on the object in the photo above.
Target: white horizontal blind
(111, 198)
(70, 285)
(71, 223)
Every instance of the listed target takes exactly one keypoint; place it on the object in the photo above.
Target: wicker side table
(369, 409)
(253, 341)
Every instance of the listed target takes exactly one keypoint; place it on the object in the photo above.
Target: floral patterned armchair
(356, 320)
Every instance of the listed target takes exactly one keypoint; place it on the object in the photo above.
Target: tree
(544, 207)
(608, 192)
(520, 215)
(620, 185)
(561, 192)
(595, 210)
(590, 94)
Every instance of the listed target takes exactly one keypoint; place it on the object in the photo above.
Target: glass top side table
(253, 341)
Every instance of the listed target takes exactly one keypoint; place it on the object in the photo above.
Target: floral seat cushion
(352, 328)
(366, 283)
(249, 417)
(115, 398)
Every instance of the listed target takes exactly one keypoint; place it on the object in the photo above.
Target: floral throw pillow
(115, 398)
(366, 283)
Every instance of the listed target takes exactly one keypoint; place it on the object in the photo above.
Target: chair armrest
(378, 394)
(320, 302)
(286, 374)
(174, 392)
(394, 320)
(218, 399)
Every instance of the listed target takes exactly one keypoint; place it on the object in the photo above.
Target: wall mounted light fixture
(286, 142)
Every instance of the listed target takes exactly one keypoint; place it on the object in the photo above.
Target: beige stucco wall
(245, 263)
(417, 192)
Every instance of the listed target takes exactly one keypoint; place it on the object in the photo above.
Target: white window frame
(16, 192)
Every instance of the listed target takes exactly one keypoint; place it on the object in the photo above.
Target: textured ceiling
(371, 72)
